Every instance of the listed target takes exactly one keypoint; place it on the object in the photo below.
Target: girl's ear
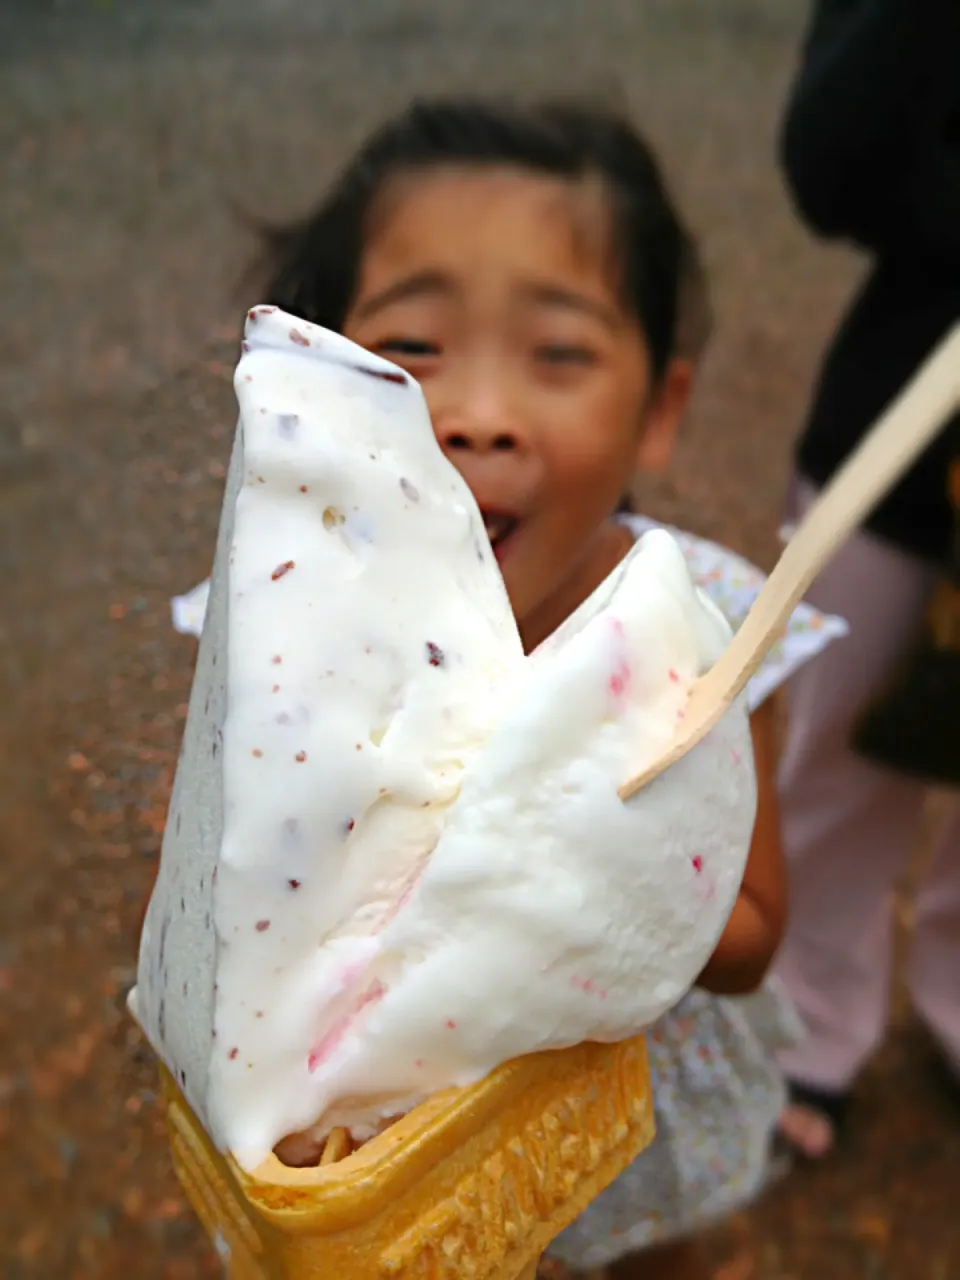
(663, 416)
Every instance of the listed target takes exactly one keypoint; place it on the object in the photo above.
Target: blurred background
(132, 132)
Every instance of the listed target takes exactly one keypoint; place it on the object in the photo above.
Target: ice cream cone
(474, 1183)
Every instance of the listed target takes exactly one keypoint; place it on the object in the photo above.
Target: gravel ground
(130, 134)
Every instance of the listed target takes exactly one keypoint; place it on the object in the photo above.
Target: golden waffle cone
(473, 1184)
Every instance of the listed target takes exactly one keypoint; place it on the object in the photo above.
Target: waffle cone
(473, 1184)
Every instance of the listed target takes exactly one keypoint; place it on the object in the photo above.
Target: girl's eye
(557, 353)
(410, 347)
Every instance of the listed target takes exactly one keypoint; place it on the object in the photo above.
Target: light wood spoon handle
(900, 434)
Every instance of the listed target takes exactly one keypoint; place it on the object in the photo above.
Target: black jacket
(871, 150)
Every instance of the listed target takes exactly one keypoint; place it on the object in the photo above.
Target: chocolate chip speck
(385, 375)
(409, 489)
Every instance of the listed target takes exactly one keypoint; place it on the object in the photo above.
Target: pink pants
(849, 827)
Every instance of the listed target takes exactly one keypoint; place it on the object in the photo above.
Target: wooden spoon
(886, 452)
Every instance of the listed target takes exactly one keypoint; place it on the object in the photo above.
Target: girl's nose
(480, 420)
(487, 439)
(478, 411)
(478, 438)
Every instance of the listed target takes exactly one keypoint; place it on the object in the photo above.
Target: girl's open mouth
(500, 529)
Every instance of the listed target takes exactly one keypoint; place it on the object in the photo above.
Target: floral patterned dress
(716, 1090)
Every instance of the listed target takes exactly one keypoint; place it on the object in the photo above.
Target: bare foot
(807, 1130)
(550, 1269)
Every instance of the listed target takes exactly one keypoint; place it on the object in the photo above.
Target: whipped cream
(395, 855)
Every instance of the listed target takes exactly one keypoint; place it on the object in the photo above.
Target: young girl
(526, 267)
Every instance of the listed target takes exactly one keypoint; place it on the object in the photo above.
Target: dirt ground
(130, 134)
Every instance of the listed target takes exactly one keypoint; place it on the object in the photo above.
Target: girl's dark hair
(313, 266)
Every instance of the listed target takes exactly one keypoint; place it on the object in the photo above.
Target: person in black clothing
(871, 150)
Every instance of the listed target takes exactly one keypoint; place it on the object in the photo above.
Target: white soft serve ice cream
(395, 855)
